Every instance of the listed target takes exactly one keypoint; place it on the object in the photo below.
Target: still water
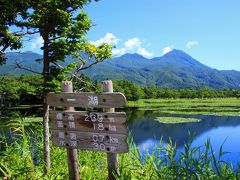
(220, 130)
(147, 132)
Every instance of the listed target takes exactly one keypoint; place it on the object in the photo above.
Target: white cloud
(167, 49)
(108, 38)
(37, 43)
(133, 43)
(130, 46)
(144, 52)
(119, 52)
(190, 44)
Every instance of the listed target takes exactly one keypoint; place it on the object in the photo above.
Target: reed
(21, 158)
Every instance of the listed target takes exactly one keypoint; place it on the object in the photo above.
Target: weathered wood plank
(114, 143)
(86, 116)
(89, 127)
(86, 99)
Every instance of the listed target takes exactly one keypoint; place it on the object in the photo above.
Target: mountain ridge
(176, 69)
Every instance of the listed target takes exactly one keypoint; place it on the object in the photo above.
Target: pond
(147, 132)
(220, 130)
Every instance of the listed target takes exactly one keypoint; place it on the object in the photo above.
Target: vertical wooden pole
(107, 86)
(73, 169)
(46, 145)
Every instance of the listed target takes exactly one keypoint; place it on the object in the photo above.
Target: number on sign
(100, 146)
(86, 117)
(98, 126)
(98, 138)
(93, 117)
(95, 146)
(98, 142)
(100, 118)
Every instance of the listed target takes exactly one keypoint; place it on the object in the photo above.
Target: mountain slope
(28, 60)
(175, 69)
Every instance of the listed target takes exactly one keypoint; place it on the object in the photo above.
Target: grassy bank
(23, 159)
(218, 107)
(174, 120)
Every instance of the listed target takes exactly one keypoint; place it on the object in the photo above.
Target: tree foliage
(62, 24)
(134, 92)
(9, 11)
(28, 89)
(20, 90)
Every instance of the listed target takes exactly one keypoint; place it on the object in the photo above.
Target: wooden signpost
(89, 130)
(86, 99)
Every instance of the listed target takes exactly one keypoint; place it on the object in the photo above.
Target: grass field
(218, 107)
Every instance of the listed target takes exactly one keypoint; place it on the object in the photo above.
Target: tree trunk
(46, 72)
(46, 138)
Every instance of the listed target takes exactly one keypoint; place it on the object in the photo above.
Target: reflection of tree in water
(142, 126)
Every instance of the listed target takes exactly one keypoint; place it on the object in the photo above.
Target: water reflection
(220, 130)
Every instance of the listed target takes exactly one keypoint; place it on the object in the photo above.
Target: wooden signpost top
(102, 100)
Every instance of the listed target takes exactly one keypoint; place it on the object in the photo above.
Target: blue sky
(208, 30)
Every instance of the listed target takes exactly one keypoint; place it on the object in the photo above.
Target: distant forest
(28, 90)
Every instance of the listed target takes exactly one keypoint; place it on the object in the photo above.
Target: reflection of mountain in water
(143, 126)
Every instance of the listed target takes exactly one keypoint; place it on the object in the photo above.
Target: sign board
(88, 121)
(87, 130)
(86, 116)
(102, 100)
(89, 127)
(114, 143)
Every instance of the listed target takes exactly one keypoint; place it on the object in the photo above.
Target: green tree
(62, 24)
(131, 90)
(85, 84)
(9, 11)
(9, 91)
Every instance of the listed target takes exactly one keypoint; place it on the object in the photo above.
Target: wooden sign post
(107, 86)
(89, 130)
(73, 171)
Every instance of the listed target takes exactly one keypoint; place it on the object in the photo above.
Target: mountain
(29, 60)
(175, 69)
